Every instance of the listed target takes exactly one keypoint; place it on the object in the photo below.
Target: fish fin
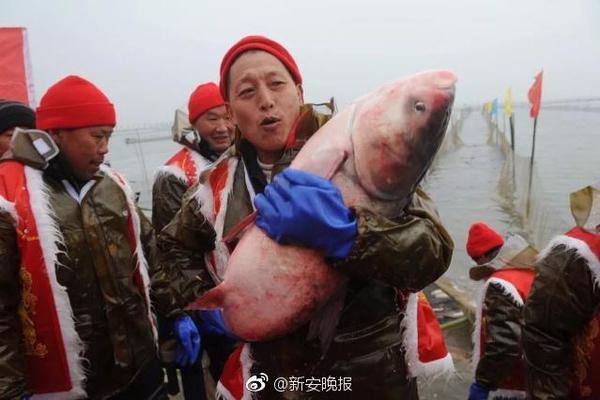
(325, 320)
(208, 301)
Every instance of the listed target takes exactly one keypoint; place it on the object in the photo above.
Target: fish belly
(271, 290)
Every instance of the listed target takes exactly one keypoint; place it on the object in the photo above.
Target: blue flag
(494, 107)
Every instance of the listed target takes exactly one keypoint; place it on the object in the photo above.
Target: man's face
(487, 257)
(83, 148)
(216, 128)
(481, 260)
(264, 101)
(5, 138)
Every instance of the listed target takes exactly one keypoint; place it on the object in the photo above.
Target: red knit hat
(205, 97)
(257, 43)
(482, 239)
(74, 102)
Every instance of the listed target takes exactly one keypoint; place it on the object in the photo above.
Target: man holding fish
(345, 254)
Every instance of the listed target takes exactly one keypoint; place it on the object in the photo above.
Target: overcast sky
(148, 56)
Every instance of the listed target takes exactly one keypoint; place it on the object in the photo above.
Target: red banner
(16, 82)
(535, 95)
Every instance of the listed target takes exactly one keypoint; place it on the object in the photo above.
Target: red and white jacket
(186, 165)
(54, 367)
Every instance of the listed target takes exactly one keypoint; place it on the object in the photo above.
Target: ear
(56, 136)
(300, 92)
(230, 112)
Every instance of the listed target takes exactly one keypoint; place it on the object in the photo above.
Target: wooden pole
(511, 120)
(497, 127)
(533, 145)
(531, 169)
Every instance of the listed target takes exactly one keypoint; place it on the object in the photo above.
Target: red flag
(535, 95)
(16, 82)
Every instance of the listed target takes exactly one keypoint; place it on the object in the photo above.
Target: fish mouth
(446, 80)
(269, 121)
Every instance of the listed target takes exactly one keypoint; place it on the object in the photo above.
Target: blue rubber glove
(301, 208)
(478, 392)
(188, 341)
(214, 324)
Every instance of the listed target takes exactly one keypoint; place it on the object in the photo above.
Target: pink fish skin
(379, 149)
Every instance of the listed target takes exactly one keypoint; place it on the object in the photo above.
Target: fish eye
(420, 106)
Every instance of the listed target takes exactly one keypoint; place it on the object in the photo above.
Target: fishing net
(452, 139)
(522, 194)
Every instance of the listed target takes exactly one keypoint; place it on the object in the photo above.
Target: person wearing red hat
(507, 271)
(75, 314)
(483, 243)
(210, 135)
(384, 259)
(561, 331)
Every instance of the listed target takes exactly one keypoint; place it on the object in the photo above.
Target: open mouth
(269, 121)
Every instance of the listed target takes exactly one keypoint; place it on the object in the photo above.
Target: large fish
(375, 151)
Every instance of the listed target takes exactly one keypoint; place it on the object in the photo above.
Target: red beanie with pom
(257, 43)
(74, 102)
(482, 239)
(205, 97)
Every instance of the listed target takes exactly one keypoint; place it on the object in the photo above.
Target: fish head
(397, 130)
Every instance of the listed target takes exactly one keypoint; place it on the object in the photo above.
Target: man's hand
(478, 392)
(213, 323)
(301, 208)
(188, 341)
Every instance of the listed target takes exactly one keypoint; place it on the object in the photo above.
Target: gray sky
(149, 55)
